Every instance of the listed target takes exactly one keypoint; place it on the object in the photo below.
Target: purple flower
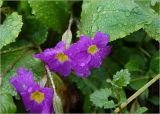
(35, 98)
(57, 59)
(38, 100)
(23, 81)
(88, 53)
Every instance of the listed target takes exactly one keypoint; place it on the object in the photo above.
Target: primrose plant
(80, 57)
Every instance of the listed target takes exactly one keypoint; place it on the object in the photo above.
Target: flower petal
(82, 71)
(64, 69)
(103, 52)
(100, 39)
(23, 80)
(96, 61)
(60, 46)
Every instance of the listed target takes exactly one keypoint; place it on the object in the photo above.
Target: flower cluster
(35, 98)
(81, 56)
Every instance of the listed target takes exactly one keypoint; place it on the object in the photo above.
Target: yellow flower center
(92, 49)
(37, 96)
(61, 57)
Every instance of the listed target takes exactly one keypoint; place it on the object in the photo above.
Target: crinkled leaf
(7, 104)
(153, 29)
(53, 14)
(10, 29)
(113, 17)
(100, 98)
(11, 61)
(109, 104)
(146, 6)
(35, 30)
(121, 78)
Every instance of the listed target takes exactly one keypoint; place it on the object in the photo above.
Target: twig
(142, 89)
(145, 52)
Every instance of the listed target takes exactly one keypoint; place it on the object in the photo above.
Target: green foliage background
(134, 29)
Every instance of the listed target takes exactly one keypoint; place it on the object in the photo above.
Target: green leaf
(121, 54)
(6, 104)
(121, 78)
(1, 3)
(153, 2)
(136, 63)
(54, 14)
(10, 29)
(87, 105)
(153, 29)
(11, 61)
(138, 36)
(144, 95)
(15, 46)
(113, 17)
(81, 85)
(93, 82)
(137, 81)
(134, 106)
(146, 6)
(24, 8)
(141, 110)
(35, 30)
(100, 98)
(111, 66)
(154, 63)
(154, 100)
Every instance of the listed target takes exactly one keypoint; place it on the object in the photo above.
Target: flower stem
(137, 93)
(56, 99)
(50, 77)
